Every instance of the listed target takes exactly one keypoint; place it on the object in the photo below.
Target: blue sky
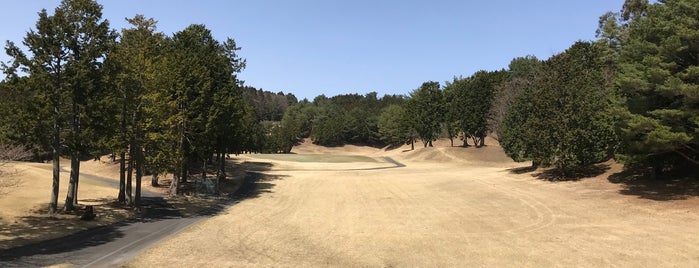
(335, 47)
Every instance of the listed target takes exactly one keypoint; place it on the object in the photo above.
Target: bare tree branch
(10, 152)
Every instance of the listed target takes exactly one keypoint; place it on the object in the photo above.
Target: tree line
(629, 95)
(173, 104)
(159, 104)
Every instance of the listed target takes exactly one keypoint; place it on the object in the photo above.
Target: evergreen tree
(472, 101)
(563, 119)
(658, 74)
(133, 65)
(393, 127)
(451, 111)
(520, 74)
(66, 53)
(426, 109)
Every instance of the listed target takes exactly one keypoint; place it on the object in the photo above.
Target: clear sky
(335, 47)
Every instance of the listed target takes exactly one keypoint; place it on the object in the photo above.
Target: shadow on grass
(577, 174)
(665, 188)
(256, 184)
(30, 232)
(554, 175)
(522, 170)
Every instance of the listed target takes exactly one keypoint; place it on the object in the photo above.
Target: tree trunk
(71, 196)
(184, 173)
(53, 204)
(222, 166)
(430, 143)
(77, 180)
(452, 141)
(122, 178)
(465, 141)
(122, 161)
(482, 141)
(412, 145)
(72, 184)
(56, 103)
(139, 175)
(174, 186)
(203, 170)
(129, 176)
(475, 141)
(183, 151)
(154, 179)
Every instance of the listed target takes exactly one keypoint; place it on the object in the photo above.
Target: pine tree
(658, 75)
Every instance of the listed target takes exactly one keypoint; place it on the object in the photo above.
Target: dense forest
(162, 104)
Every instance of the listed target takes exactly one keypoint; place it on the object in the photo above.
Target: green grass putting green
(316, 158)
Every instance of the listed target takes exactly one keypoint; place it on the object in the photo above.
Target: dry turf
(447, 207)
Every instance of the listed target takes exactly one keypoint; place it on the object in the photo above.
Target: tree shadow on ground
(89, 233)
(554, 175)
(30, 232)
(256, 184)
(522, 170)
(665, 188)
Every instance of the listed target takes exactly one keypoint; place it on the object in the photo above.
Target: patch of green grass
(316, 158)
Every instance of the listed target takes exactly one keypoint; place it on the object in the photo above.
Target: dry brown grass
(444, 209)
(25, 189)
(23, 206)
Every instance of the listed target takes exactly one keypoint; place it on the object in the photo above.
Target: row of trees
(334, 121)
(268, 106)
(162, 104)
(631, 94)
(171, 104)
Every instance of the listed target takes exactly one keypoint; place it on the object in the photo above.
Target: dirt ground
(448, 207)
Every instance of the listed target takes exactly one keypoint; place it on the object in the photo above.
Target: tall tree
(472, 101)
(563, 119)
(134, 63)
(204, 90)
(329, 126)
(658, 74)
(452, 111)
(520, 74)
(66, 52)
(227, 114)
(46, 66)
(394, 127)
(88, 38)
(426, 108)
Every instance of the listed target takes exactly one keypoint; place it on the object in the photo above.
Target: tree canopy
(658, 75)
(563, 118)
